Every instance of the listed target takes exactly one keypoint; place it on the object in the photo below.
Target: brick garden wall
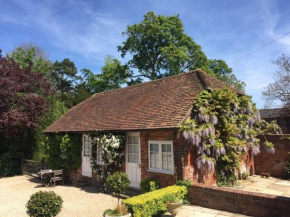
(273, 163)
(237, 201)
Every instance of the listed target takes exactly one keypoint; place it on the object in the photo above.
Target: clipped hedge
(151, 203)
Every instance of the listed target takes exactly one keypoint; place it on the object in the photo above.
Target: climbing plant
(112, 146)
(62, 151)
(223, 127)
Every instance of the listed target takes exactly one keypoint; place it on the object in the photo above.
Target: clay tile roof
(273, 113)
(158, 104)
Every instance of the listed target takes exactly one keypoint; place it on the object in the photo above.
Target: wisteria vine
(223, 127)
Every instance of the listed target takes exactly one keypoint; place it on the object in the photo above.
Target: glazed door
(86, 156)
(133, 159)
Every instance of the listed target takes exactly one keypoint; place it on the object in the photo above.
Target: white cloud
(73, 26)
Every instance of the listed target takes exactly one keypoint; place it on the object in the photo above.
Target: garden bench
(57, 176)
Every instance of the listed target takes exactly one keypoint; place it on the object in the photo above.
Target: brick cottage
(150, 114)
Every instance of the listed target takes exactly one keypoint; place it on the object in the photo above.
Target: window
(99, 156)
(133, 149)
(87, 146)
(161, 156)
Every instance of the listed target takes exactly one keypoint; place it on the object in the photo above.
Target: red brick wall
(184, 159)
(237, 201)
(273, 163)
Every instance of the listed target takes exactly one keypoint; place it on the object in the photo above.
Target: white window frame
(98, 162)
(160, 170)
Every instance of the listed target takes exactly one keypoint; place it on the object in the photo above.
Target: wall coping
(240, 193)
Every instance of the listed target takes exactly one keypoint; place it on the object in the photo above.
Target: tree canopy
(159, 47)
(23, 96)
(280, 88)
(31, 55)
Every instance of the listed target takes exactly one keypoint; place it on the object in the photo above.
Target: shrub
(148, 185)
(287, 169)
(44, 204)
(187, 184)
(118, 211)
(118, 183)
(245, 175)
(151, 203)
(171, 198)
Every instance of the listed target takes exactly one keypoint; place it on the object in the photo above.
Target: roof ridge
(152, 81)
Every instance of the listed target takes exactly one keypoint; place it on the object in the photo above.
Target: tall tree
(23, 97)
(31, 55)
(112, 76)
(159, 47)
(280, 88)
(64, 76)
(223, 72)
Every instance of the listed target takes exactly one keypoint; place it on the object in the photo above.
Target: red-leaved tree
(23, 97)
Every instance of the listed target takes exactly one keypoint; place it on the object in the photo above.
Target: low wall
(273, 163)
(237, 201)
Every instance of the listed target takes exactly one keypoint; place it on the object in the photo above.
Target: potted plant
(173, 203)
(118, 183)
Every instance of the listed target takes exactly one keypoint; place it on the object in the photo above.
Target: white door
(86, 156)
(133, 159)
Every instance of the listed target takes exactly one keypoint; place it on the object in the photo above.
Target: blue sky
(87, 31)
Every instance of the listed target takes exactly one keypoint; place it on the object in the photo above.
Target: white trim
(126, 154)
(101, 162)
(160, 142)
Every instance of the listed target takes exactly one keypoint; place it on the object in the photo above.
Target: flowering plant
(112, 146)
(223, 127)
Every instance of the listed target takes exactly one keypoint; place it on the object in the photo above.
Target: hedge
(151, 203)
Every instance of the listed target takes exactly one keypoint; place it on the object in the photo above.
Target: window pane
(130, 139)
(156, 147)
(152, 164)
(164, 156)
(130, 148)
(169, 157)
(136, 139)
(164, 148)
(164, 166)
(130, 158)
(136, 158)
(151, 147)
(152, 156)
(170, 166)
(136, 149)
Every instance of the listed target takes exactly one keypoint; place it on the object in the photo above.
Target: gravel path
(86, 202)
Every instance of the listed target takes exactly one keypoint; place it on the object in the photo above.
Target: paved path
(87, 202)
(197, 211)
(270, 185)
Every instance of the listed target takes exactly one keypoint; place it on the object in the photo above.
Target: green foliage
(186, 183)
(171, 198)
(148, 185)
(10, 162)
(118, 182)
(63, 151)
(160, 47)
(287, 169)
(55, 111)
(245, 175)
(111, 212)
(112, 146)
(151, 203)
(229, 180)
(224, 126)
(44, 204)
(113, 75)
(31, 55)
